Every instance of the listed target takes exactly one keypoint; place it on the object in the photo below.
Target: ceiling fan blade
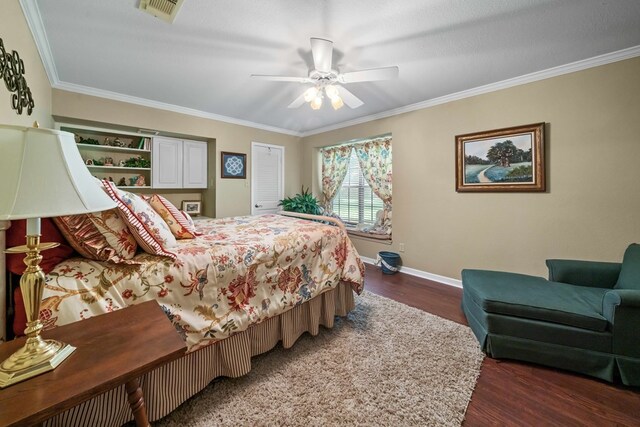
(298, 101)
(282, 78)
(350, 99)
(386, 73)
(322, 51)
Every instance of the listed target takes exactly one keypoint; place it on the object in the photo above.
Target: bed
(233, 292)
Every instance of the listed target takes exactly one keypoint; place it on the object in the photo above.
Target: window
(355, 203)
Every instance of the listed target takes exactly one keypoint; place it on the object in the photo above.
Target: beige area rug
(386, 364)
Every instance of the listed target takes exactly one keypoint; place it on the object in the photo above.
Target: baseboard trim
(423, 274)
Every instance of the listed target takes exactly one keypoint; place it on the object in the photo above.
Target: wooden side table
(111, 349)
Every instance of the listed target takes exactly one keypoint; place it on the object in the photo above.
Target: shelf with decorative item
(118, 163)
(109, 148)
(133, 180)
(118, 168)
(108, 139)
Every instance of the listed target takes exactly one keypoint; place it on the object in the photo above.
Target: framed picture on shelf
(192, 207)
(509, 159)
(233, 165)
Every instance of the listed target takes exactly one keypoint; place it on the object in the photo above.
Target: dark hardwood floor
(515, 393)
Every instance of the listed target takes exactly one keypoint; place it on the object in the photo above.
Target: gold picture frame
(501, 160)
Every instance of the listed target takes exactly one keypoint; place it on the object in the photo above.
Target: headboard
(4, 225)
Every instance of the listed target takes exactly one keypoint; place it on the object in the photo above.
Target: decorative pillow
(49, 233)
(179, 225)
(101, 236)
(148, 228)
(189, 220)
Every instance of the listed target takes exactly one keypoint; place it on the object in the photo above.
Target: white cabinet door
(195, 164)
(166, 158)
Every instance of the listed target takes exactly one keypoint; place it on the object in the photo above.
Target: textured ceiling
(203, 60)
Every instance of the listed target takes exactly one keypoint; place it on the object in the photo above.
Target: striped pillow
(148, 228)
(180, 227)
(100, 236)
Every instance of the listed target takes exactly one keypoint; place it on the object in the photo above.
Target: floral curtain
(375, 162)
(335, 163)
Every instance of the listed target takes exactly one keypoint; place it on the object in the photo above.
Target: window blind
(355, 202)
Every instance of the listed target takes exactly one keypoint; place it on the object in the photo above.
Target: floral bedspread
(240, 271)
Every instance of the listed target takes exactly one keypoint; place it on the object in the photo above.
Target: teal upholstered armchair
(585, 318)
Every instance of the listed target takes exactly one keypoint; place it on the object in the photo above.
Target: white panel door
(267, 178)
(194, 174)
(166, 162)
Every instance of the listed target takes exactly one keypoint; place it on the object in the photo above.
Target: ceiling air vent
(163, 9)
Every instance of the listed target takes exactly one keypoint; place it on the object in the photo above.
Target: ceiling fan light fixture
(331, 91)
(337, 103)
(316, 103)
(327, 80)
(310, 94)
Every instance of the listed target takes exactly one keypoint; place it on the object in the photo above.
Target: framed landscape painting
(510, 159)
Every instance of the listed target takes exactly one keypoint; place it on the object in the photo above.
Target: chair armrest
(621, 307)
(584, 273)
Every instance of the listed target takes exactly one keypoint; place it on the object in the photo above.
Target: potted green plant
(303, 202)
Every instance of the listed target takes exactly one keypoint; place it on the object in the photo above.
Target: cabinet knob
(257, 206)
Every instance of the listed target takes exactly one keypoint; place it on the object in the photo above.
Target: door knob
(257, 206)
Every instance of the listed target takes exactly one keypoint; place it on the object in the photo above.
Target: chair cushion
(536, 298)
(630, 271)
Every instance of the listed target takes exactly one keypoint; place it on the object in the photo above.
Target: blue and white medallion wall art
(233, 165)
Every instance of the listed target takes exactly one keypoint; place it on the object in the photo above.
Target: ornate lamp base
(35, 358)
(37, 355)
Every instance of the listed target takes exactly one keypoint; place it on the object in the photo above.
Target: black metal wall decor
(12, 71)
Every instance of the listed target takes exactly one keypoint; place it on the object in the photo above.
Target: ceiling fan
(328, 81)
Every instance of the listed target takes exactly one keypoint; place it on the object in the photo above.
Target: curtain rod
(357, 141)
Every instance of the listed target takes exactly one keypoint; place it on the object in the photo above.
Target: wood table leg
(136, 400)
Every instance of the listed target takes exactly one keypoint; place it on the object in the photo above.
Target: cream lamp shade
(43, 175)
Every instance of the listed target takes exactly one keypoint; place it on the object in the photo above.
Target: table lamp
(41, 175)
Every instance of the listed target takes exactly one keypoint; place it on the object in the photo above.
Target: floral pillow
(100, 236)
(177, 222)
(148, 228)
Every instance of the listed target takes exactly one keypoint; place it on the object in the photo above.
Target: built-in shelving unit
(130, 145)
(173, 166)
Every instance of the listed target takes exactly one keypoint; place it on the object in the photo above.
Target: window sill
(378, 238)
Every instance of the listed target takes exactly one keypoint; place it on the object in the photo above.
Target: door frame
(253, 166)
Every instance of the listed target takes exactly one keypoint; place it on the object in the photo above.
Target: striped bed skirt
(169, 386)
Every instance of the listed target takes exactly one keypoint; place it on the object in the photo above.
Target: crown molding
(34, 21)
(100, 93)
(572, 67)
(423, 274)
